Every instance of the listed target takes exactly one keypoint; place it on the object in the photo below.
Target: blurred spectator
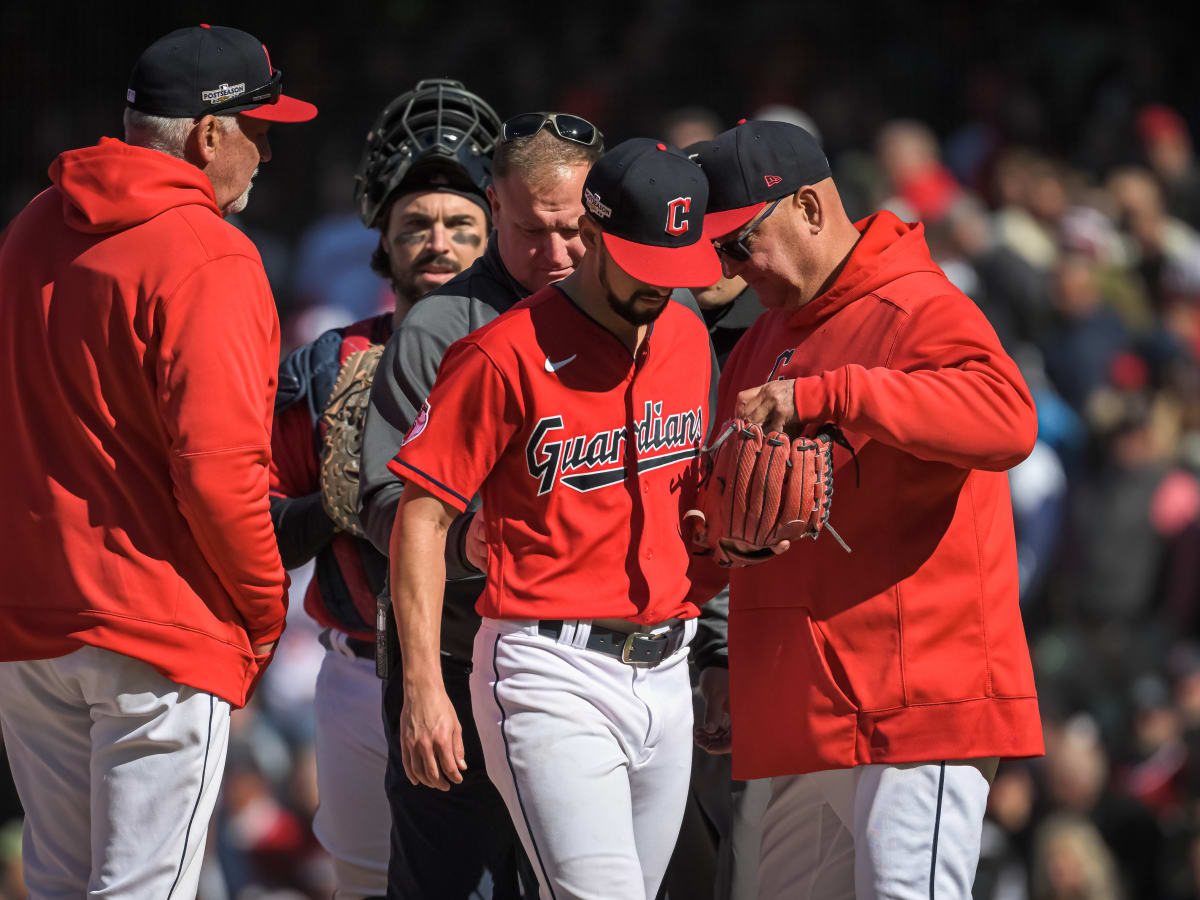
(1039, 498)
(689, 124)
(908, 153)
(1071, 862)
(1162, 249)
(1007, 835)
(1169, 151)
(1032, 201)
(781, 112)
(1076, 779)
(1080, 351)
(1012, 293)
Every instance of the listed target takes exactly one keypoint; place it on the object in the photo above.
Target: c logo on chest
(780, 361)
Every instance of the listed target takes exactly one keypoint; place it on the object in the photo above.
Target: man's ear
(589, 232)
(203, 140)
(809, 203)
(494, 200)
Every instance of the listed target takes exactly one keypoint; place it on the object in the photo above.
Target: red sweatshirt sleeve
(217, 365)
(949, 393)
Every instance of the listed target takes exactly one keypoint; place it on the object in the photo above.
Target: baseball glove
(342, 442)
(760, 489)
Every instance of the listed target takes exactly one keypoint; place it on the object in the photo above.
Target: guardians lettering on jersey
(600, 455)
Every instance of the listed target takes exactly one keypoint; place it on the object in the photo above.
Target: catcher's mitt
(342, 442)
(761, 489)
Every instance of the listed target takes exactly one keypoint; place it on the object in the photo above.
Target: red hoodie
(140, 343)
(911, 648)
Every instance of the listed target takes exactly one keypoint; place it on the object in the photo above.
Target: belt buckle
(627, 649)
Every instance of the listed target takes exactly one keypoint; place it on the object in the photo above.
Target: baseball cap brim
(717, 224)
(286, 109)
(695, 265)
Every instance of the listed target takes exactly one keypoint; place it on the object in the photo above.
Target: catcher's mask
(439, 135)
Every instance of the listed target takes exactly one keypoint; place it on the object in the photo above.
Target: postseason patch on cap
(595, 207)
(223, 92)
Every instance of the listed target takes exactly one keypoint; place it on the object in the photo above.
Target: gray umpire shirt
(406, 374)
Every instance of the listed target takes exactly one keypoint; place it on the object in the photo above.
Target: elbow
(1018, 438)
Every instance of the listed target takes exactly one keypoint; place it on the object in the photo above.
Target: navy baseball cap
(650, 199)
(753, 164)
(211, 69)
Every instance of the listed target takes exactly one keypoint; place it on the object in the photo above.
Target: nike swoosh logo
(555, 366)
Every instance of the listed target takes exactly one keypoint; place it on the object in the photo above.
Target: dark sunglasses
(268, 93)
(568, 127)
(734, 248)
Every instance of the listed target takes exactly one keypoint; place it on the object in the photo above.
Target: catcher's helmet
(437, 134)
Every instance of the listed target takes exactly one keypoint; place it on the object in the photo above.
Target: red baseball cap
(650, 200)
(205, 69)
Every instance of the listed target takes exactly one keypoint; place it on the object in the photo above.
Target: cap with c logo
(650, 200)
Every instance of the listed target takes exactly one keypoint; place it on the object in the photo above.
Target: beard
(243, 199)
(627, 308)
(409, 285)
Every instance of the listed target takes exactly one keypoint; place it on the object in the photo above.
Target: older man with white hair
(143, 593)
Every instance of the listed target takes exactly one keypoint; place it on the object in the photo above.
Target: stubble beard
(243, 199)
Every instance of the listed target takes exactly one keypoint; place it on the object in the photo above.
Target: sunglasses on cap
(268, 93)
(567, 127)
(734, 248)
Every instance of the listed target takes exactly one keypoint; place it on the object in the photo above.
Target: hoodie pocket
(789, 714)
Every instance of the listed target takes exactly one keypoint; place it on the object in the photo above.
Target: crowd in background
(1059, 189)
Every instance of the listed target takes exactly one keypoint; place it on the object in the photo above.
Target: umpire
(448, 846)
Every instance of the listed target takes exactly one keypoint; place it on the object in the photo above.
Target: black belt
(360, 648)
(641, 649)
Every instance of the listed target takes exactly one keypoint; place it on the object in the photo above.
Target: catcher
(422, 184)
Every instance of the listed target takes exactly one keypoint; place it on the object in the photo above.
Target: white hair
(166, 134)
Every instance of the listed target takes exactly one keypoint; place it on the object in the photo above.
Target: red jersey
(585, 456)
(911, 648)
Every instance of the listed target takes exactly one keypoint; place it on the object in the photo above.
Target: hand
(476, 547)
(714, 735)
(263, 649)
(431, 744)
(771, 405)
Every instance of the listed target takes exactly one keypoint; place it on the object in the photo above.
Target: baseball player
(143, 593)
(578, 415)
(876, 689)
(422, 183)
(462, 844)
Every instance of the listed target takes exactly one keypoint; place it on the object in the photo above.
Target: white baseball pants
(353, 820)
(592, 756)
(875, 832)
(118, 769)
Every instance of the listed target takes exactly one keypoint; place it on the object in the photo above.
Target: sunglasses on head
(268, 93)
(733, 247)
(566, 126)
